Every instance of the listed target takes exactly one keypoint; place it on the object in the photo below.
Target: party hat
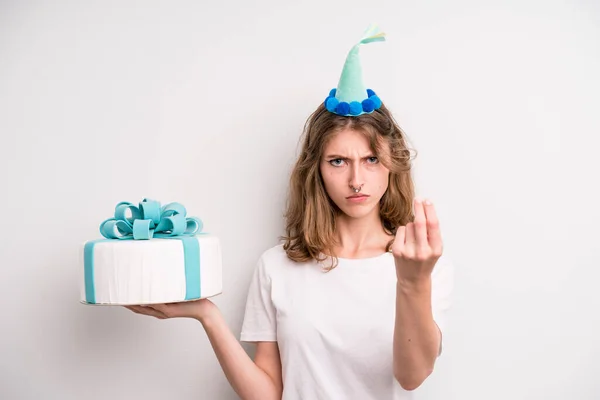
(351, 97)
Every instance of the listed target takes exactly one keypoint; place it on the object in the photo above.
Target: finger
(398, 245)
(409, 242)
(148, 311)
(433, 228)
(409, 237)
(420, 226)
(132, 308)
(136, 309)
(164, 309)
(155, 313)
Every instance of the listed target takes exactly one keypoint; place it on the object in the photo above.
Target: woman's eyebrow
(346, 157)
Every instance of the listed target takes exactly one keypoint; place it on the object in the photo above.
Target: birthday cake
(150, 254)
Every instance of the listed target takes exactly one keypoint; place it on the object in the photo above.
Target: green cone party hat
(351, 97)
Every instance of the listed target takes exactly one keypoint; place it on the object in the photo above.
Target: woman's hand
(197, 309)
(417, 246)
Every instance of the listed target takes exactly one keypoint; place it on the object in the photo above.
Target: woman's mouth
(358, 198)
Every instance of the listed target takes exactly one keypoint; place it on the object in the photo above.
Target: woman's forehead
(351, 142)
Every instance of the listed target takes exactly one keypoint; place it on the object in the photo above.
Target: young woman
(352, 304)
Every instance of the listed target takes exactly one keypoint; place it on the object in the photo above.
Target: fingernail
(428, 202)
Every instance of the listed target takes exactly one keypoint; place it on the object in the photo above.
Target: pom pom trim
(367, 106)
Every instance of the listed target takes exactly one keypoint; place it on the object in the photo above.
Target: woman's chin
(357, 212)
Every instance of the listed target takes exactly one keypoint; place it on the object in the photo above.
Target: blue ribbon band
(191, 254)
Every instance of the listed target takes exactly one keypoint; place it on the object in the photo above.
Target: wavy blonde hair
(311, 214)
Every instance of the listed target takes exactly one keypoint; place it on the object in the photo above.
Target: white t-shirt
(334, 329)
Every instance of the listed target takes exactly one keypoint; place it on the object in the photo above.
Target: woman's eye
(337, 162)
(373, 160)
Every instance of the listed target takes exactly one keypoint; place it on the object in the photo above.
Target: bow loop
(193, 225)
(149, 220)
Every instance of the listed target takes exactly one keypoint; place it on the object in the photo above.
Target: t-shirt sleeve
(260, 323)
(442, 287)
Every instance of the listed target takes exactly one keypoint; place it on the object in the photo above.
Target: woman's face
(347, 162)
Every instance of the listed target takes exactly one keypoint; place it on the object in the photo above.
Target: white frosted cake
(156, 255)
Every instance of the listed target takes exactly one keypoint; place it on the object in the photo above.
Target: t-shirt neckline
(362, 260)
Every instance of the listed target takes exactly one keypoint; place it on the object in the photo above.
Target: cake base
(155, 271)
(147, 304)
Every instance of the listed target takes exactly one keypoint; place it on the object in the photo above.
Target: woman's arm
(259, 379)
(417, 248)
(416, 336)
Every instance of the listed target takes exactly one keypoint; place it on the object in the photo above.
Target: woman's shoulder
(275, 251)
(273, 255)
(276, 260)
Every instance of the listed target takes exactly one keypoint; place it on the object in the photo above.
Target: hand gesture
(196, 309)
(418, 245)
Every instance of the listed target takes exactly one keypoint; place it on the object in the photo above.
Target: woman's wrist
(207, 313)
(414, 286)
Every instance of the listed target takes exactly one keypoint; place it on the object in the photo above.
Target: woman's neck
(360, 238)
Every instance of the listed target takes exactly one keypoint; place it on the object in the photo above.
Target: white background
(203, 103)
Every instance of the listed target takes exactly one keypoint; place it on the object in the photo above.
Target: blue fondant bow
(149, 220)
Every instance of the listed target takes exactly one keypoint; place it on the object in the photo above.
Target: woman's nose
(356, 179)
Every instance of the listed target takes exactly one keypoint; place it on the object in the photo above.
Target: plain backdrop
(203, 103)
